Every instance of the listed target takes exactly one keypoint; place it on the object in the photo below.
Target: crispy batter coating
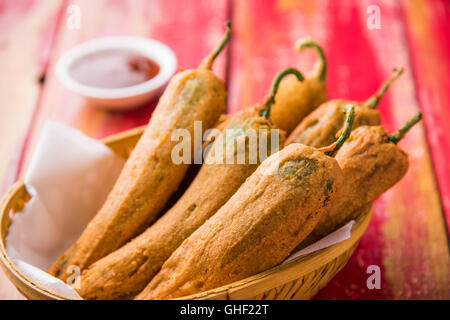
(319, 129)
(371, 165)
(295, 100)
(126, 271)
(275, 209)
(149, 176)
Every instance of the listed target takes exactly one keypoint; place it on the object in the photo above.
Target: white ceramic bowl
(119, 98)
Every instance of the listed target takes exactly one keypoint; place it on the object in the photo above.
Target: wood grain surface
(407, 237)
(27, 30)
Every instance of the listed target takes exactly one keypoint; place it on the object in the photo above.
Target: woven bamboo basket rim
(16, 197)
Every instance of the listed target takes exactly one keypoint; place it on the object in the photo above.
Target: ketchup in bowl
(113, 68)
(117, 73)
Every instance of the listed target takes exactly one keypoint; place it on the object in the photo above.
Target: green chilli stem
(270, 100)
(346, 130)
(374, 100)
(207, 62)
(400, 133)
(321, 64)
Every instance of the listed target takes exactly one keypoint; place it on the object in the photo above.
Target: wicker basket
(300, 278)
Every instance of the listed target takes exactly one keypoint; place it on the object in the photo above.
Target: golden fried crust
(149, 176)
(222, 122)
(257, 228)
(126, 271)
(295, 100)
(320, 128)
(371, 165)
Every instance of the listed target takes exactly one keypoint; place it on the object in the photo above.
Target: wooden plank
(428, 25)
(407, 235)
(191, 28)
(27, 30)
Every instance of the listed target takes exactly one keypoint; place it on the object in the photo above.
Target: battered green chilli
(321, 127)
(295, 100)
(149, 176)
(371, 163)
(126, 271)
(258, 227)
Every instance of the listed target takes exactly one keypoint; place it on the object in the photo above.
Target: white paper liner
(69, 177)
(337, 236)
(43, 279)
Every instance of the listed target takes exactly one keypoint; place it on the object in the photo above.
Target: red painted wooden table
(408, 235)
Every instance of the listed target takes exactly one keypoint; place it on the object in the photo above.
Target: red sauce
(113, 68)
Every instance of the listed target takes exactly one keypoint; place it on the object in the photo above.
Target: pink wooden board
(428, 31)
